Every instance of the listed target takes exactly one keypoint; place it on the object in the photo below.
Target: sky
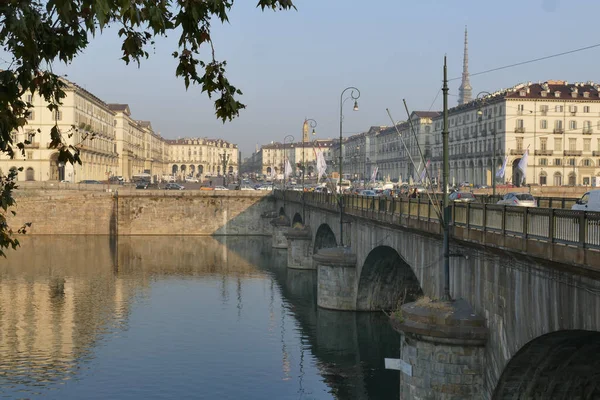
(293, 65)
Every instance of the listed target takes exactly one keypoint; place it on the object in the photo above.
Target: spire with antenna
(465, 89)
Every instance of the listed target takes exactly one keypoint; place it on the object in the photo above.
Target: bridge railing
(573, 228)
(576, 228)
(543, 202)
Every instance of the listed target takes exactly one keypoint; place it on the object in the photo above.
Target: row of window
(570, 162)
(558, 125)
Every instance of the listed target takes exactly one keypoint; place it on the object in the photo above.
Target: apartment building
(85, 122)
(111, 143)
(271, 158)
(556, 122)
(140, 149)
(200, 157)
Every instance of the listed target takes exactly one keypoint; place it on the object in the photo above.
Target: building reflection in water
(61, 297)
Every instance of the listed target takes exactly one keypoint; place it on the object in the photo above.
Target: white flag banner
(523, 165)
(321, 164)
(502, 170)
(424, 172)
(288, 169)
(374, 175)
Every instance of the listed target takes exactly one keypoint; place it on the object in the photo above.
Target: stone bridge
(535, 284)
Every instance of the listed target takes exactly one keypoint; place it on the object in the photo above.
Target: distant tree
(38, 33)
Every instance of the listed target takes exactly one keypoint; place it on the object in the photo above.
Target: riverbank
(153, 212)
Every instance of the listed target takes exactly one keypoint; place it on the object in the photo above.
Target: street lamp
(480, 115)
(308, 122)
(224, 160)
(285, 140)
(341, 193)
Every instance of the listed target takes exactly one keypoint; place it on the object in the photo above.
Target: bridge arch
(297, 219)
(324, 238)
(385, 278)
(558, 365)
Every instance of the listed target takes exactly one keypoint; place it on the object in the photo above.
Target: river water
(179, 317)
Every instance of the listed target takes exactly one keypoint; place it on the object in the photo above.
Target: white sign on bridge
(399, 365)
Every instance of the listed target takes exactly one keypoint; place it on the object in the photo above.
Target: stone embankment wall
(54, 212)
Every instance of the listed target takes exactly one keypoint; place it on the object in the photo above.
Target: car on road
(147, 185)
(247, 188)
(462, 197)
(173, 186)
(518, 200)
(368, 193)
(220, 188)
(191, 179)
(590, 201)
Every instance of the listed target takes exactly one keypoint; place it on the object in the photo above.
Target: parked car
(462, 197)
(147, 185)
(116, 180)
(590, 201)
(368, 193)
(518, 199)
(247, 188)
(191, 179)
(173, 186)
(220, 188)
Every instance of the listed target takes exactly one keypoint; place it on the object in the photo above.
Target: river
(179, 317)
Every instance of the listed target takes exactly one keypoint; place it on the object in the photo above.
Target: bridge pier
(280, 227)
(336, 278)
(444, 344)
(299, 240)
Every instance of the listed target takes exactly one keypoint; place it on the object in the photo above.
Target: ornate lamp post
(354, 97)
(480, 117)
(308, 122)
(224, 160)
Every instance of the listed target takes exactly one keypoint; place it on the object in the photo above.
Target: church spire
(465, 89)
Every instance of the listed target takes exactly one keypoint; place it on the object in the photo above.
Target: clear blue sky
(291, 65)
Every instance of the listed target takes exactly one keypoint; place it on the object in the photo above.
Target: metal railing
(573, 228)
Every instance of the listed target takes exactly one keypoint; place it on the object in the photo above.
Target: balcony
(588, 131)
(572, 153)
(543, 152)
(559, 131)
(520, 129)
(517, 152)
(544, 112)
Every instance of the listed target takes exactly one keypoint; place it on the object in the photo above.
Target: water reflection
(74, 308)
(350, 347)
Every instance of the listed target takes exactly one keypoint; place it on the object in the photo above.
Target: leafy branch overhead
(37, 33)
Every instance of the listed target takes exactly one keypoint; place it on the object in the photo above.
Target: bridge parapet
(564, 236)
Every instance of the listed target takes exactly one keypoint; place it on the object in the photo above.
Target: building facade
(111, 143)
(140, 149)
(556, 123)
(270, 159)
(201, 157)
(85, 122)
